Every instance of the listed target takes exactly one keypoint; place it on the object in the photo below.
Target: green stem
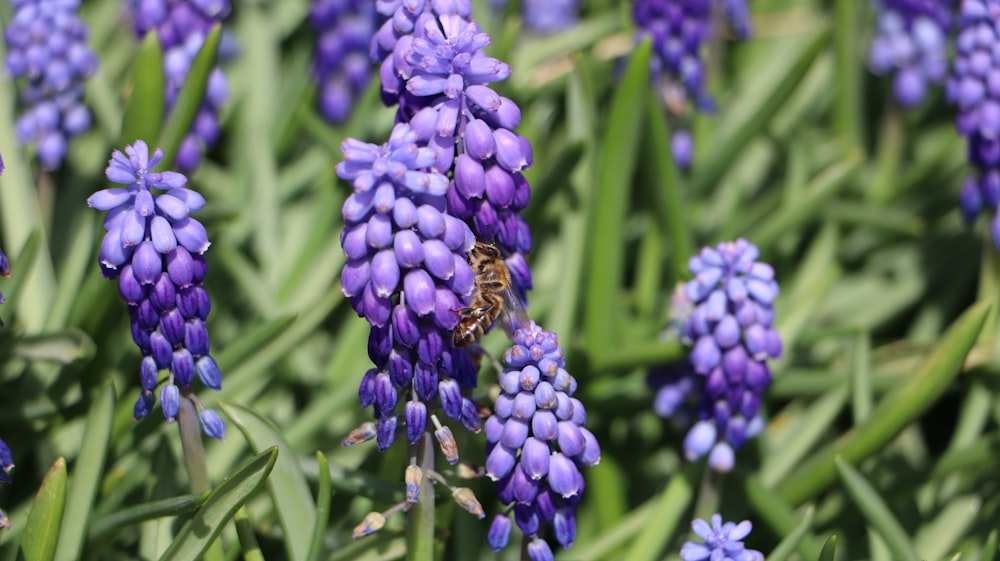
(194, 458)
(848, 105)
(248, 541)
(420, 529)
(708, 495)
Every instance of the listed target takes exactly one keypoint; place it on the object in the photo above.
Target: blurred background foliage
(852, 200)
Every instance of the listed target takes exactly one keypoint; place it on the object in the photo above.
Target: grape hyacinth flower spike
(730, 331)
(182, 26)
(722, 542)
(47, 46)
(536, 444)
(154, 248)
(678, 31)
(341, 67)
(911, 42)
(406, 273)
(974, 88)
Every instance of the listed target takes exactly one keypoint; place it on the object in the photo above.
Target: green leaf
(671, 506)
(990, 546)
(670, 211)
(618, 152)
(145, 106)
(893, 413)
(323, 498)
(20, 263)
(87, 472)
(791, 541)
(876, 512)
(287, 485)
(172, 506)
(777, 514)
(189, 98)
(829, 550)
(63, 347)
(198, 534)
(38, 543)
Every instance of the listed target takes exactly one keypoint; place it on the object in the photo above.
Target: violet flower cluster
(911, 43)
(722, 542)
(406, 273)
(536, 443)
(974, 87)
(341, 67)
(679, 31)
(154, 247)
(433, 66)
(47, 46)
(6, 465)
(730, 331)
(181, 26)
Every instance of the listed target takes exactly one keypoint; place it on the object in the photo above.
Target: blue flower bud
(499, 532)
(212, 424)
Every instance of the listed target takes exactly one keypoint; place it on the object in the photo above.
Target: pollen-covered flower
(154, 248)
(47, 47)
(181, 26)
(536, 443)
(722, 542)
(911, 44)
(406, 273)
(678, 31)
(730, 330)
(341, 67)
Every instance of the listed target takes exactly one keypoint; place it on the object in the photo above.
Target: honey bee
(493, 299)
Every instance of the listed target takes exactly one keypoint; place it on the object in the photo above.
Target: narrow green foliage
(829, 550)
(41, 534)
(323, 498)
(146, 102)
(876, 512)
(791, 541)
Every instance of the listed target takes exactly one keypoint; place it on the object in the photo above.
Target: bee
(494, 297)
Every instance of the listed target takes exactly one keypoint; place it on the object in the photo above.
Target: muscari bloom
(181, 26)
(6, 465)
(47, 46)
(341, 66)
(974, 87)
(154, 248)
(678, 31)
(406, 273)
(722, 542)
(536, 443)
(439, 75)
(730, 330)
(911, 42)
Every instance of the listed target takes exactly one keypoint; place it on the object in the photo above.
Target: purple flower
(433, 65)
(974, 88)
(678, 31)
(729, 330)
(181, 26)
(536, 443)
(341, 66)
(154, 248)
(47, 46)
(911, 43)
(406, 273)
(723, 542)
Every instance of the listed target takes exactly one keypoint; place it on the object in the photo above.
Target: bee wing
(513, 316)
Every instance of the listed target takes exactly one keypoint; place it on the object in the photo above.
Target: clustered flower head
(536, 443)
(341, 66)
(722, 542)
(678, 31)
(406, 273)
(181, 26)
(911, 43)
(433, 66)
(6, 465)
(47, 46)
(730, 331)
(154, 248)
(974, 87)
